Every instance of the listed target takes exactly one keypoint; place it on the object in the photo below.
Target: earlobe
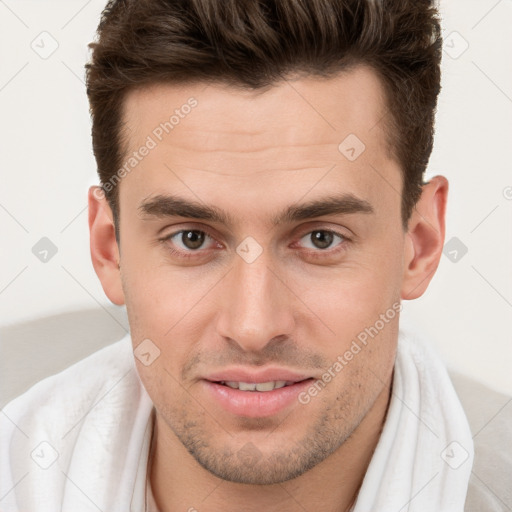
(104, 249)
(425, 238)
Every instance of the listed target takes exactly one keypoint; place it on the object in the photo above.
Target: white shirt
(79, 440)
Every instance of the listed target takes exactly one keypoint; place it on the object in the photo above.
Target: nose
(256, 304)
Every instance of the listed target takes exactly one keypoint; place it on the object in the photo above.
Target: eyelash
(314, 253)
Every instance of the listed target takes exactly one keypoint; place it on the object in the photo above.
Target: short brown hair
(255, 44)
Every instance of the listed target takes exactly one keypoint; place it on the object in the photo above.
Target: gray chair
(33, 350)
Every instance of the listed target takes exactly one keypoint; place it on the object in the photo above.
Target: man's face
(245, 299)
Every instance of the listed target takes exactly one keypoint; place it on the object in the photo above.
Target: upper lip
(266, 375)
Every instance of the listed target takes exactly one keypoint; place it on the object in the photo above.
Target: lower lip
(255, 404)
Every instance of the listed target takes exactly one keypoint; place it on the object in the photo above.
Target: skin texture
(297, 306)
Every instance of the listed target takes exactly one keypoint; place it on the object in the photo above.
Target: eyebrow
(174, 206)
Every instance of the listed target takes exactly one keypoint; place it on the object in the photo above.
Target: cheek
(164, 306)
(352, 297)
(157, 294)
(358, 303)
(157, 313)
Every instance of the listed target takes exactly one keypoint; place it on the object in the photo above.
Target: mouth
(255, 399)
(258, 386)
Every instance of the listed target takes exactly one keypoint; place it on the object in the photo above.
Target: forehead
(215, 138)
(301, 110)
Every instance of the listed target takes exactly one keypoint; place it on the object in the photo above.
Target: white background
(47, 165)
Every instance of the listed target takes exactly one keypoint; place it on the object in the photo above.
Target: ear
(104, 249)
(425, 238)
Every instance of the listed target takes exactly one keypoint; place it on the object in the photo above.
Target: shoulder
(79, 417)
(489, 414)
(79, 384)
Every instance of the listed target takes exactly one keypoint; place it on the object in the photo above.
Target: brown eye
(192, 239)
(322, 238)
(187, 240)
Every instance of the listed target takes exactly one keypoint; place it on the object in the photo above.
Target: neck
(178, 482)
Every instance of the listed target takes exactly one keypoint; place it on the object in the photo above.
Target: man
(262, 215)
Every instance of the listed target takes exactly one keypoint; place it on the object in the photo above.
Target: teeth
(246, 386)
(260, 386)
(265, 386)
